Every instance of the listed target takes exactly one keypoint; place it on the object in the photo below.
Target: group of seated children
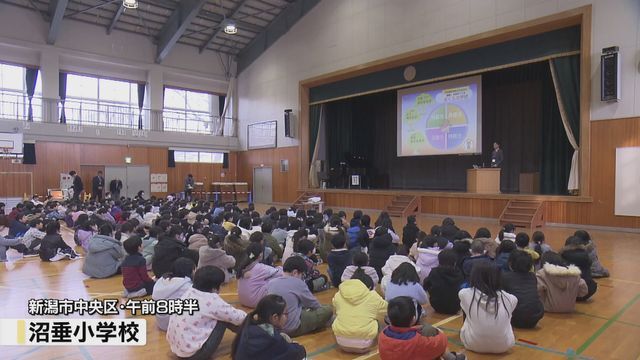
(193, 249)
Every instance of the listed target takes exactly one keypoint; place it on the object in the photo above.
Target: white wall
(341, 33)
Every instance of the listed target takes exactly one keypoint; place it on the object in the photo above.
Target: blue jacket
(352, 234)
(258, 344)
(17, 229)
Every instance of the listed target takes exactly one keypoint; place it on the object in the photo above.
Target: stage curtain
(316, 115)
(31, 78)
(62, 93)
(141, 90)
(565, 73)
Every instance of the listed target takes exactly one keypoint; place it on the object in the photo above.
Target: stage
(557, 209)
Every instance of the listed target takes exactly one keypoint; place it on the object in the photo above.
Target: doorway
(263, 185)
(134, 179)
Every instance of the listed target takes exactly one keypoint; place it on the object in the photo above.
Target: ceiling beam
(220, 28)
(115, 19)
(277, 28)
(178, 22)
(56, 13)
(215, 17)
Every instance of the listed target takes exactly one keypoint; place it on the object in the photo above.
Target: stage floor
(452, 194)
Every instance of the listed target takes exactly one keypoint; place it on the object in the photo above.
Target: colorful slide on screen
(440, 118)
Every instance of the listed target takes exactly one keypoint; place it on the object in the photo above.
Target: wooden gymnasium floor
(607, 327)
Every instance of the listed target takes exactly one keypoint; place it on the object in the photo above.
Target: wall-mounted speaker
(171, 162)
(288, 130)
(29, 154)
(225, 160)
(610, 74)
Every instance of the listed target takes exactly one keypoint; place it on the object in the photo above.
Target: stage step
(404, 205)
(303, 198)
(524, 214)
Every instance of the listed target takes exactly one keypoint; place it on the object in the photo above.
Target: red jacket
(134, 272)
(409, 343)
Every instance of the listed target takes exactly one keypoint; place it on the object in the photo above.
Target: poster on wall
(262, 135)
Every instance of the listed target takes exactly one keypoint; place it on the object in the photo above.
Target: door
(138, 179)
(116, 173)
(262, 185)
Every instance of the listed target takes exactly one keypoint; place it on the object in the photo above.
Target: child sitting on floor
(597, 270)
(357, 307)
(443, 284)
(305, 313)
(405, 282)
(392, 263)
(403, 340)
(198, 335)
(427, 257)
(135, 279)
(575, 252)
(522, 242)
(522, 283)
(104, 254)
(253, 276)
(487, 311)
(478, 255)
(173, 285)
(53, 247)
(538, 243)
(33, 237)
(260, 337)
(338, 259)
(314, 279)
(360, 261)
(212, 254)
(559, 284)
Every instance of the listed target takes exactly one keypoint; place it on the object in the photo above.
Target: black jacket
(409, 235)
(256, 344)
(578, 256)
(96, 183)
(524, 286)
(338, 261)
(443, 285)
(115, 186)
(166, 252)
(77, 184)
(380, 249)
(50, 245)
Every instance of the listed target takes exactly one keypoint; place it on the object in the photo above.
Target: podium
(483, 181)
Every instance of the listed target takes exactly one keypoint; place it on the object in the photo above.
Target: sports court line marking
(606, 325)
(438, 324)
(521, 344)
(59, 291)
(604, 318)
(624, 281)
(28, 352)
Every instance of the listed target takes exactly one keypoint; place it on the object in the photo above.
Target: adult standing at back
(115, 186)
(78, 187)
(97, 187)
(188, 187)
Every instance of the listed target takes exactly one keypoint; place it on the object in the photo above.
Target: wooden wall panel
(15, 184)
(285, 185)
(55, 158)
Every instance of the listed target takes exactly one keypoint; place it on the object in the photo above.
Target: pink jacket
(252, 287)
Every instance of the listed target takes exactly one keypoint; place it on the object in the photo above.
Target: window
(188, 111)
(14, 99)
(102, 102)
(198, 157)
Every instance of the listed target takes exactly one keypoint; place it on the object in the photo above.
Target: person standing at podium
(496, 156)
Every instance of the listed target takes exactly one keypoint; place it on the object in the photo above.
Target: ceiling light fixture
(130, 4)
(230, 27)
